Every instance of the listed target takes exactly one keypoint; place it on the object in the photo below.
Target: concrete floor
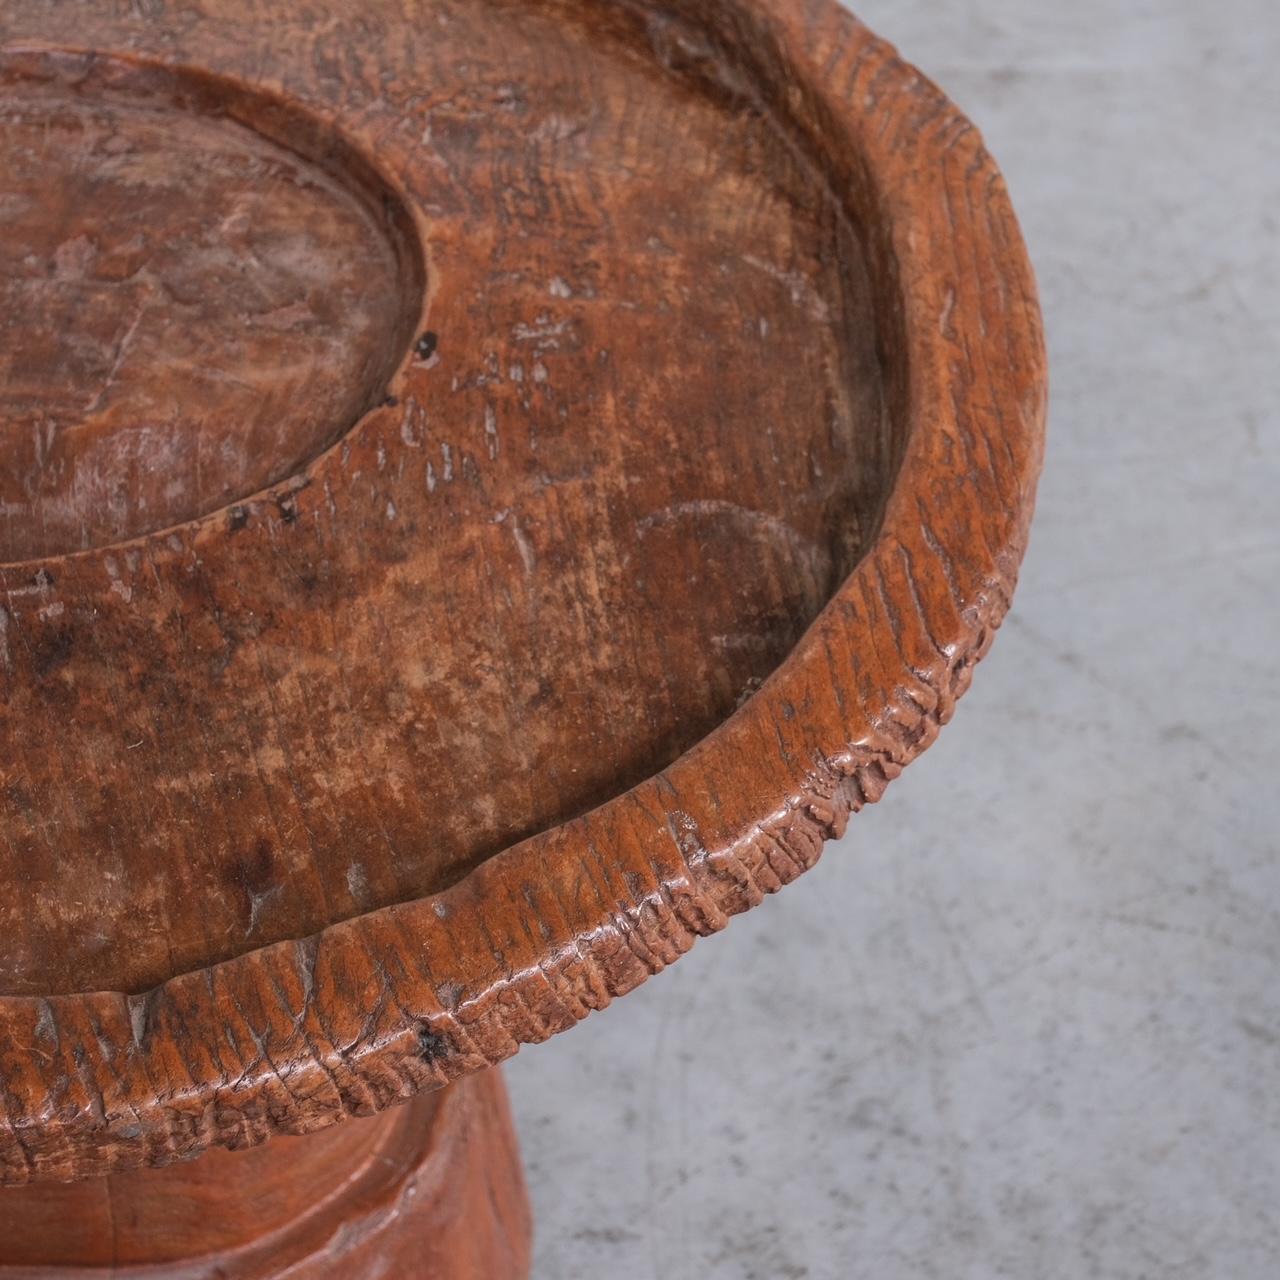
(1024, 1020)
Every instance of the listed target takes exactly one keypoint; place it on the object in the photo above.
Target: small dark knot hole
(431, 1047)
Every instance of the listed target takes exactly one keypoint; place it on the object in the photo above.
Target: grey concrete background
(1025, 1019)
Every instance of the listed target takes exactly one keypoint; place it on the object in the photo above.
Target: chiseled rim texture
(295, 1036)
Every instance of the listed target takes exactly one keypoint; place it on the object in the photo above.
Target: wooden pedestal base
(428, 1191)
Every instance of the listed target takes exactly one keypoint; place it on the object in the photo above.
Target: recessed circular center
(192, 302)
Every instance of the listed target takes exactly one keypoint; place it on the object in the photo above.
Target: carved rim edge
(299, 1035)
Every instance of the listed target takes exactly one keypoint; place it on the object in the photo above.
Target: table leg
(428, 1191)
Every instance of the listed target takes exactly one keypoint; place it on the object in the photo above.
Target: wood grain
(190, 307)
(699, 488)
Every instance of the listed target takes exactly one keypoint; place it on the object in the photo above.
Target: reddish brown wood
(488, 487)
(429, 1191)
(200, 287)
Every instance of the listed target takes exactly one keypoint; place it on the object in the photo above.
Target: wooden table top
(489, 486)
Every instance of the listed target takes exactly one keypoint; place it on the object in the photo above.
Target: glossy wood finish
(429, 1191)
(705, 390)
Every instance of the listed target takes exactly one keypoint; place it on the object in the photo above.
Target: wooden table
(488, 487)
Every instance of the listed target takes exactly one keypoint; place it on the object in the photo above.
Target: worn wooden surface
(707, 391)
(429, 1191)
(190, 308)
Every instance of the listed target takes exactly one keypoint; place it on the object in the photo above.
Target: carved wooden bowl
(488, 487)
